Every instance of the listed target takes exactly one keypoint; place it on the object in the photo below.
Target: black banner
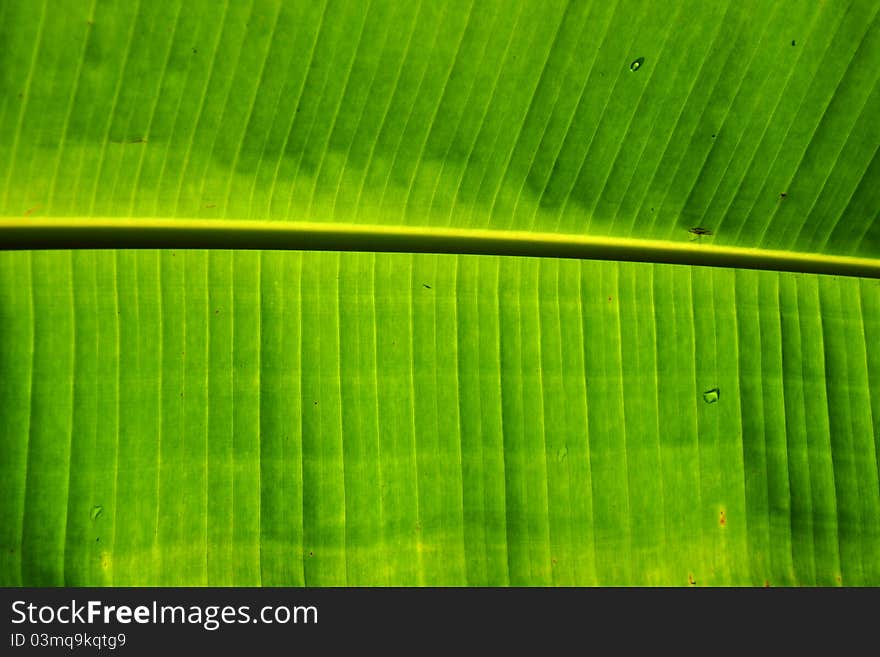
(149, 620)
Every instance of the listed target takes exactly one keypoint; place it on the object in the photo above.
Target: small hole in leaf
(561, 453)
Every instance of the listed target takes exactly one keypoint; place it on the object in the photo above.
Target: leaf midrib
(153, 233)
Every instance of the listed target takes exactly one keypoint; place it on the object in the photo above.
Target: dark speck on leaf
(195, 51)
(637, 64)
(699, 231)
(713, 136)
(792, 42)
(783, 195)
(426, 286)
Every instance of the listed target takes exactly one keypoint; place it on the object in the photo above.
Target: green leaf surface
(329, 419)
(755, 120)
(231, 417)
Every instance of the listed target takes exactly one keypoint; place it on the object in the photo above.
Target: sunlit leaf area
(232, 417)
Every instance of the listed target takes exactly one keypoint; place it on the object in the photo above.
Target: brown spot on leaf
(30, 211)
(723, 519)
(766, 583)
(691, 580)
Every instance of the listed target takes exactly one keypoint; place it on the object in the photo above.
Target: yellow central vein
(127, 233)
